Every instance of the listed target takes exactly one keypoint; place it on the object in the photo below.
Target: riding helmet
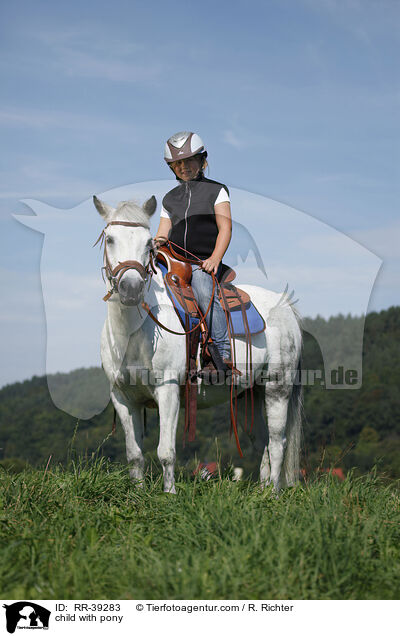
(183, 145)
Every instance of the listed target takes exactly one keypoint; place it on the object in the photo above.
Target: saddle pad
(255, 320)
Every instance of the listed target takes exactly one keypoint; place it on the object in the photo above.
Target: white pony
(132, 344)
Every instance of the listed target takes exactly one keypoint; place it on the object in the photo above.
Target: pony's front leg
(168, 405)
(132, 423)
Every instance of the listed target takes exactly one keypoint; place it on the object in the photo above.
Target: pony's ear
(149, 207)
(105, 210)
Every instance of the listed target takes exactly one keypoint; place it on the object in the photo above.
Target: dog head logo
(26, 615)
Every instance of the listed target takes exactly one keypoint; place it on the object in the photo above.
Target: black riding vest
(191, 209)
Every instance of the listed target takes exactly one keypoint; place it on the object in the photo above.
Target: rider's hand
(211, 264)
(158, 241)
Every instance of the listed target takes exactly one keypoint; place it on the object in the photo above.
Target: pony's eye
(109, 240)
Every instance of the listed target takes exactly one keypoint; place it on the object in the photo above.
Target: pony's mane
(131, 211)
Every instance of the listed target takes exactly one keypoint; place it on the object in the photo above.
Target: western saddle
(177, 279)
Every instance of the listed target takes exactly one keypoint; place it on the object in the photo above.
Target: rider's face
(186, 169)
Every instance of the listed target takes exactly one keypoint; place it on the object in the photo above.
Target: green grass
(86, 533)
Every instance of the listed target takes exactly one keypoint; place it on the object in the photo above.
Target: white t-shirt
(221, 198)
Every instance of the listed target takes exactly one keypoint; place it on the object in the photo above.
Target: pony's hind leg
(265, 469)
(132, 423)
(258, 432)
(258, 435)
(272, 461)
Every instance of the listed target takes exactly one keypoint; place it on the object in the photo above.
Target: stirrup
(211, 373)
(207, 369)
(229, 364)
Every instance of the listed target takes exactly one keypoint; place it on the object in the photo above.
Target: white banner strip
(182, 617)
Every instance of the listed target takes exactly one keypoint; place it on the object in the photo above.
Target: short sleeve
(164, 214)
(222, 197)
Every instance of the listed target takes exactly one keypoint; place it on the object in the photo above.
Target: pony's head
(127, 247)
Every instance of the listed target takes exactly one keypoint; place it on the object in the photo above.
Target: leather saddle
(178, 273)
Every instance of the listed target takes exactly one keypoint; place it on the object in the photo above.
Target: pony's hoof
(170, 491)
(270, 489)
(137, 482)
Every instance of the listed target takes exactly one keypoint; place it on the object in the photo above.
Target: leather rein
(115, 274)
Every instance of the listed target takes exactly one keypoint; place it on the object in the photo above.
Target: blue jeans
(202, 288)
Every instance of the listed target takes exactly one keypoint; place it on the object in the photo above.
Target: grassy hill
(85, 532)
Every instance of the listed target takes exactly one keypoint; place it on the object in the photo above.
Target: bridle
(115, 274)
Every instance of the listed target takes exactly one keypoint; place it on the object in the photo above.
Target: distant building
(336, 472)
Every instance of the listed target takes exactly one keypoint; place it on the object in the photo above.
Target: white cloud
(22, 294)
(89, 51)
(63, 120)
(362, 18)
(44, 179)
(350, 178)
(87, 36)
(232, 139)
(81, 64)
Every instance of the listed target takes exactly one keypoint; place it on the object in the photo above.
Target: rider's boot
(229, 364)
(217, 368)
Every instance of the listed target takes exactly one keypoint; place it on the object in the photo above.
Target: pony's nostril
(131, 289)
(123, 286)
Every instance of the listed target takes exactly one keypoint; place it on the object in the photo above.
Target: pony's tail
(291, 465)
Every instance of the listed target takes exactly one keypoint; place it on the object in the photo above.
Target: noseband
(115, 274)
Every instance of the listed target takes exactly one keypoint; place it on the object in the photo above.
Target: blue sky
(296, 101)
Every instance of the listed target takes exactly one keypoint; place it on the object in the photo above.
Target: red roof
(206, 470)
(337, 472)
